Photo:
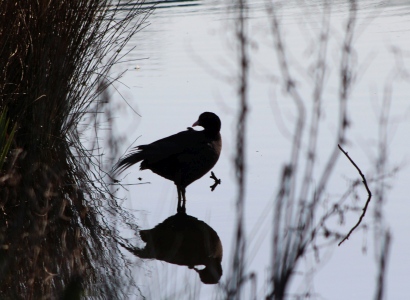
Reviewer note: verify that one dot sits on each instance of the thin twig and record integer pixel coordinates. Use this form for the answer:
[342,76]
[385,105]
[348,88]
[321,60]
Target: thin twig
[368,199]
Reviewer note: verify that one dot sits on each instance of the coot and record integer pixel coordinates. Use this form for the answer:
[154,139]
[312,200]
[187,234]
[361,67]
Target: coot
[183,157]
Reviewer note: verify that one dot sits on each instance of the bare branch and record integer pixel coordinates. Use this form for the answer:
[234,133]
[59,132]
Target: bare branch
[368,199]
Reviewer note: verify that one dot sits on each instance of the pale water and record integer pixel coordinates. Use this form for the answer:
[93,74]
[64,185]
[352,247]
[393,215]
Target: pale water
[187,65]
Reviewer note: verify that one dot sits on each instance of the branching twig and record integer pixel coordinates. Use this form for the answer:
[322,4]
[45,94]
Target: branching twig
[368,199]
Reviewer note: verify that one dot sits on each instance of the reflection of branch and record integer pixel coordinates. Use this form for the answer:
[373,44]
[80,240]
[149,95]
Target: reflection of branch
[382,265]
[236,277]
[368,199]
[217,181]
[125,184]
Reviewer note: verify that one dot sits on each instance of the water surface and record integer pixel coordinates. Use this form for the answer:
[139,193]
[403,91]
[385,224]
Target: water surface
[187,65]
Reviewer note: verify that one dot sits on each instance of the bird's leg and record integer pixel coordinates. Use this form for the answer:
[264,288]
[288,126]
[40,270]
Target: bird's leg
[179,198]
[183,199]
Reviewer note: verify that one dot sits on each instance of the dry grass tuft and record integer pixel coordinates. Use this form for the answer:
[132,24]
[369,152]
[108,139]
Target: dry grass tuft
[57,213]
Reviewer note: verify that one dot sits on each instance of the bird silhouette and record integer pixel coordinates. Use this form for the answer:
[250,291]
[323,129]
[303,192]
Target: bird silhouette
[186,241]
[183,157]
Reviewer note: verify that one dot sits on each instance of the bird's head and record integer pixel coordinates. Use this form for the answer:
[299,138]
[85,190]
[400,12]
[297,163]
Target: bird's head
[209,121]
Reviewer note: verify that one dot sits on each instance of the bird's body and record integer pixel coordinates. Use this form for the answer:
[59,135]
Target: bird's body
[186,241]
[183,157]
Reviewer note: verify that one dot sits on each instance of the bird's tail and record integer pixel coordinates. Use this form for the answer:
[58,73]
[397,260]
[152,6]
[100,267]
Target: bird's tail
[129,160]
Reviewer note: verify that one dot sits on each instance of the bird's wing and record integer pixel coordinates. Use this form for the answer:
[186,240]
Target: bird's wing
[177,144]
[182,142]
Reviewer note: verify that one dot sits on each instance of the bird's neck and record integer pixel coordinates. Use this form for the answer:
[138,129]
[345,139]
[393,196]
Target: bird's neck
[212,134]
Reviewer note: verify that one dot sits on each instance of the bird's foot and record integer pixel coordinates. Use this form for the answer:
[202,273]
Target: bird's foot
[216,183]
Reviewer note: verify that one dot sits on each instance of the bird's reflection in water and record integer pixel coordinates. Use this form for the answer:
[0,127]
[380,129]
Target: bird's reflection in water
[186,241]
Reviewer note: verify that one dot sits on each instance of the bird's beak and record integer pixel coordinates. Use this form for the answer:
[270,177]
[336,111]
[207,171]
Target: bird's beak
[195,124]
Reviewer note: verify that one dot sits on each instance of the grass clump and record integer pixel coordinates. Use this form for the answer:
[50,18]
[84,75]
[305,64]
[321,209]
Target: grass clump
[56,210]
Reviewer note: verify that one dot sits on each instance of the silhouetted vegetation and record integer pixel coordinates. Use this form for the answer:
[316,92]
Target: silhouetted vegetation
[57,213]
